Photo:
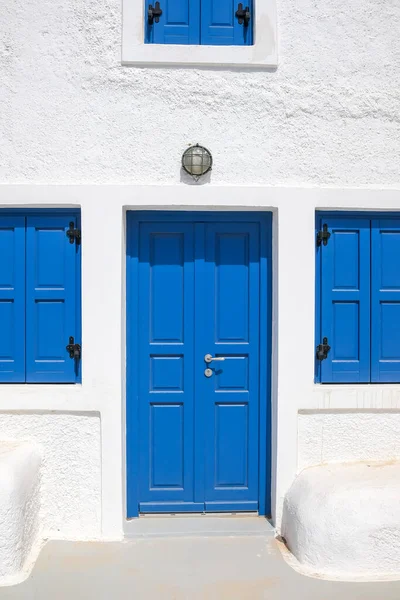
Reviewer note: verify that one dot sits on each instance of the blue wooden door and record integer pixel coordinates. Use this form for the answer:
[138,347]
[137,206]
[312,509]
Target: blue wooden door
[193,441]
[345,300]
[12,299]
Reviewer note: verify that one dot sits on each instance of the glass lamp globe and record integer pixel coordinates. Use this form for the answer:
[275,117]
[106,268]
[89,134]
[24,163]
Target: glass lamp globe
[197,161]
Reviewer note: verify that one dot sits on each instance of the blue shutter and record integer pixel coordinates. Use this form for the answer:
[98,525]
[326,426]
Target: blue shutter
[12,299]
[385,300]
[345,300]
[220,26]
[178,24]
[50,300]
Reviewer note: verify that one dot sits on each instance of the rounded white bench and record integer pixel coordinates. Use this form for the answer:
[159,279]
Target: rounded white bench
[19,505]
[343,520]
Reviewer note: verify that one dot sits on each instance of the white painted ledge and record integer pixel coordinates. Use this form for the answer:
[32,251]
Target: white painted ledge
[19,507]
[262,54]
[342,521]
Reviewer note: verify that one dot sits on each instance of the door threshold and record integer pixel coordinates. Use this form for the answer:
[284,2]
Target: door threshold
[199,525]
[185,515]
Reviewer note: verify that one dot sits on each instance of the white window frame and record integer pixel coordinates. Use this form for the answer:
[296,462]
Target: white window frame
[262,54]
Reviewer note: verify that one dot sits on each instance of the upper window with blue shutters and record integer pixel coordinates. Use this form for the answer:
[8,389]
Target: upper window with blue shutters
[200,32]
[199,22]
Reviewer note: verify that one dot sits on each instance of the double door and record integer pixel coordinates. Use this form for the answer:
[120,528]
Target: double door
[196,347]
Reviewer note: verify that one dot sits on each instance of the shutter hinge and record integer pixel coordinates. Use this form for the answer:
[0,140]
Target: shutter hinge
[323,235]
[323,349]
[73,234]
[75,350]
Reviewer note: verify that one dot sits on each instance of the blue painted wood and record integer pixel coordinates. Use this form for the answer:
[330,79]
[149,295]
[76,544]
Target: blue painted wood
[132,366]
[385,300]
[318,279]
[166,346]
[230,398]
[220,27]
[170,507]
[345,300]
[200,414]
[168,415]
[178,24]
[12,299]
[51,305]
[264,503]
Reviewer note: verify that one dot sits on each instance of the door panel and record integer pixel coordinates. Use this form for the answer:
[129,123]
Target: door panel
[166,357]
[230,398]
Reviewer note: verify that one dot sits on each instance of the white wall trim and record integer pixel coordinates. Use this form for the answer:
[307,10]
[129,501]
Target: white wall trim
[262,54]
[190,197]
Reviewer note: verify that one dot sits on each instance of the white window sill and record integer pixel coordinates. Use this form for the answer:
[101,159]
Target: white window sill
[263,54]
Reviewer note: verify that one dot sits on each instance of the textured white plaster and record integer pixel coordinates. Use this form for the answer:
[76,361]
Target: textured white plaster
[19,505]
[343,521]
[70,472]
[326,437]
[327,115]
[362,396]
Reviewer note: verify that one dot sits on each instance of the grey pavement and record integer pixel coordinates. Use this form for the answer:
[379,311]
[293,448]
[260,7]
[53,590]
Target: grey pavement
[182,560]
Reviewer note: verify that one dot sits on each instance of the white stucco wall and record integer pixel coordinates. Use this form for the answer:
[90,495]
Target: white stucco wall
[71,114]
[70,470]
[328,115]
[348,436]
[20,499]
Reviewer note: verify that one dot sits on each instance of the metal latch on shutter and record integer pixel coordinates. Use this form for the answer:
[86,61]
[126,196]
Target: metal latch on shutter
[323,235]
[243,15]
[75,350]
[154,13]
[323,349]
[73,234]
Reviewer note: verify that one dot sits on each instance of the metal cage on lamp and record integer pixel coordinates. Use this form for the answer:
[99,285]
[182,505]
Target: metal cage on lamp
[197,161]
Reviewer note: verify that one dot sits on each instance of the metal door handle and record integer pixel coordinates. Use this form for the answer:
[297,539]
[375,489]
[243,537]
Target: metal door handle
[208,358]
